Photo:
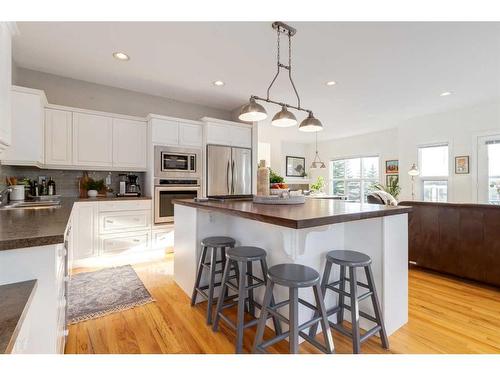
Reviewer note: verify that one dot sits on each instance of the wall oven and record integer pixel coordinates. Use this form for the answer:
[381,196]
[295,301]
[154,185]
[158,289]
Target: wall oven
[166,190]
[177,162]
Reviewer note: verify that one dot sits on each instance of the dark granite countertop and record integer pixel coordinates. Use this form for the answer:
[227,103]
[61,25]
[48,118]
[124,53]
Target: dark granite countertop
[14,303]
[42,226]
[313,213]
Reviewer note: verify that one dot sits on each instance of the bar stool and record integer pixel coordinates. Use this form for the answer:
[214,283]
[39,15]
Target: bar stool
[352,260]
[216,245]
[242,258]
[293,276]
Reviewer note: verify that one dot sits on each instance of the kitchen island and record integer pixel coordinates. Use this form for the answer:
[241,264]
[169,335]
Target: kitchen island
[303,234]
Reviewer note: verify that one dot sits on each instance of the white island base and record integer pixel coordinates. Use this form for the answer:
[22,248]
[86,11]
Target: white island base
[384,239]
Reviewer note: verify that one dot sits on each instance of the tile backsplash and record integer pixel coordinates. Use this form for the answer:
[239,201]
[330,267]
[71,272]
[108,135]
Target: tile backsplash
[66,180]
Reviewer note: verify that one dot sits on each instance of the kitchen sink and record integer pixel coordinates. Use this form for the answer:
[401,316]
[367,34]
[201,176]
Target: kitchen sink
[33,204]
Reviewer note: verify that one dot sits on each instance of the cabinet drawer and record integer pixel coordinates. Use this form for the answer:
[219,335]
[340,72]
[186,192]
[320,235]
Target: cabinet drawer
[124,220]
[163,238]
[139,204]
[125,242]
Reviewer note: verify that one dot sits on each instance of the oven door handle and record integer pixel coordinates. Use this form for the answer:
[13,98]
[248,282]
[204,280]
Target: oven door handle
[227,177]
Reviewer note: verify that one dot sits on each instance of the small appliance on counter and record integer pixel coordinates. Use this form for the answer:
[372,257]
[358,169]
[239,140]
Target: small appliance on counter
[129,186]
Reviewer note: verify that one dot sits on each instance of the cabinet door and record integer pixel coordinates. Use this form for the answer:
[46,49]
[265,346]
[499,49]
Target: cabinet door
[58,137]
[218,134]
[84,230]
[165,132]
[92,140]
[241,137]
[27,130]
[129,144]
[190,135]
[5,85]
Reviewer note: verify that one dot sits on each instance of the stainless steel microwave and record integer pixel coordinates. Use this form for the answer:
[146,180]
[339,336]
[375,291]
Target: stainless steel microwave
[176,162]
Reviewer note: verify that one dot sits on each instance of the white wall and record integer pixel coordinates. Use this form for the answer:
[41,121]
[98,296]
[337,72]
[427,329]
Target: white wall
[81,94]
[459,128]
[383,144]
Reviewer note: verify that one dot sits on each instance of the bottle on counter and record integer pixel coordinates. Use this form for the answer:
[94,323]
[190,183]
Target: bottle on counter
[43,187]
[51,187]
[263,187]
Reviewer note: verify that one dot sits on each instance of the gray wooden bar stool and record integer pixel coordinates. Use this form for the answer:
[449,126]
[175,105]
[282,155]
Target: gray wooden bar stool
[242,258]
[293,276]
[352,260]
[217,245]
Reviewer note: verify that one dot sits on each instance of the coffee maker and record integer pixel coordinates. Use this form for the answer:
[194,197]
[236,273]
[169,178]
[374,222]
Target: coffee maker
[129,186]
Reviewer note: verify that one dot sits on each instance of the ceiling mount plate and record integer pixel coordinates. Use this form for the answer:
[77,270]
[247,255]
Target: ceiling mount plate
[283,27]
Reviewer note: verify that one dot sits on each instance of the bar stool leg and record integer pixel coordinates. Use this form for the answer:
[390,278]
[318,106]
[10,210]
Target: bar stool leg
[251,304]
[223,258]
[210,301]
[259,335]
[324,283]
[376,307]
[354,310]
[340,313]
[240,321]
[224,288]
[276,321]
[294,320]
[199,272]
[325,326]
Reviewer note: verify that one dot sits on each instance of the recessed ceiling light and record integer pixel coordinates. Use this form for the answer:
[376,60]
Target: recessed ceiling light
[331,83]
[218,83]
[121,56]
[446,93]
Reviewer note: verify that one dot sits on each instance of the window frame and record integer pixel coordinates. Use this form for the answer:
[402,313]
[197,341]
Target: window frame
[423,179]
[481,175]
[331,179]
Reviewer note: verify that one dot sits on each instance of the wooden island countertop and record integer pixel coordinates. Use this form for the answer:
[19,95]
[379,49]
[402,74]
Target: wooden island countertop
[313,213]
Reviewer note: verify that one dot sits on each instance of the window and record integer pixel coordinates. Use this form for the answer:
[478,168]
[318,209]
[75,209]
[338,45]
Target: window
[354,177]
[434,172]
[493,149]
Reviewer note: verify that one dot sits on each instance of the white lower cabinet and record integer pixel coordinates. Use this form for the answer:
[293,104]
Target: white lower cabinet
[110,228]
[163,238]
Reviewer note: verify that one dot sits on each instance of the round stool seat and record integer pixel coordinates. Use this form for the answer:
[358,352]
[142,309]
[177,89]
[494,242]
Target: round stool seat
[348,258]
[293,275]
[245,253]
[218,241]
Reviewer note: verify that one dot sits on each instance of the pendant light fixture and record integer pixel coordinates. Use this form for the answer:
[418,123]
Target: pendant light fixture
[317,163]
[284,118]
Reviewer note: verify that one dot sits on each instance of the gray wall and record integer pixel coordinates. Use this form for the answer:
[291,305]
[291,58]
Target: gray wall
[87,95]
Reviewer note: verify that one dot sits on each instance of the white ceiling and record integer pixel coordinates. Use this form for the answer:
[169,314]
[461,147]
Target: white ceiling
[386,72]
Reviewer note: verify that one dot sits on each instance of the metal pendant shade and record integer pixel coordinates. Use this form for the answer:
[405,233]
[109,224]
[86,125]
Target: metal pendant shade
[284,118]
[252,111]
[317,162]
[310,124]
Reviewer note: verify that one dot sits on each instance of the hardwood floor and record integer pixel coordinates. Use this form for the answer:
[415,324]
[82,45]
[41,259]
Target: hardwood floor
[447,315]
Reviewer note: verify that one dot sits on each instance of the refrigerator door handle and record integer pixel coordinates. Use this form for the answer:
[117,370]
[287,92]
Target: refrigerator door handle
[232,177]
[227,177]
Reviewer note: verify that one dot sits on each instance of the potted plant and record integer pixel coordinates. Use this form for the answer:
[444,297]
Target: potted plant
[93,187]
[319,185]
[392,188]
[276,181]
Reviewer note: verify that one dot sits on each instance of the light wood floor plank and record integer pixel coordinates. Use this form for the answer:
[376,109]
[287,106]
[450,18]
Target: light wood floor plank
[446,315]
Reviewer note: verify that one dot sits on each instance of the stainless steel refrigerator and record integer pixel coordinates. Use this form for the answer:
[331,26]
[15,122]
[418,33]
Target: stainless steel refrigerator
[229,171]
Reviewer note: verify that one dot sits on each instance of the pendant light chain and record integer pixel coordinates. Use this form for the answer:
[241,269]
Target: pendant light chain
[256,112]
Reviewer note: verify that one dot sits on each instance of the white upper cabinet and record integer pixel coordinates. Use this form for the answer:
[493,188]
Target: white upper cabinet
[58,137]
[176,133]
[165,132]
[27,128]
[5,85]
[190,135]
[129,144]
[92,140]
[229,135]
